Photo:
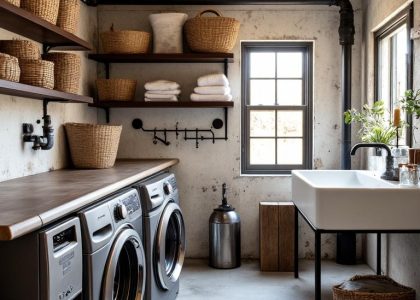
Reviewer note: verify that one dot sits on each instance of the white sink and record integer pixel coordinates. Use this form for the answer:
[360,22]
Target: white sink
[354,200]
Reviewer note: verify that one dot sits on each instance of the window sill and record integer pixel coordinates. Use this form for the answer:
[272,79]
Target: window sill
[264,175]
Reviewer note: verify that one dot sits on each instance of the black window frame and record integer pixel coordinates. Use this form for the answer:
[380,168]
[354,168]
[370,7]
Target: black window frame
[305,47]
[406,16]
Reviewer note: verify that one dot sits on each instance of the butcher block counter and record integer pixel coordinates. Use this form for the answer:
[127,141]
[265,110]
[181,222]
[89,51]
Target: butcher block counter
[28,203]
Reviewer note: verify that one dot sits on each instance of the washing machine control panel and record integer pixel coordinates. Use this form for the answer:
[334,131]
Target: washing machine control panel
[126,205]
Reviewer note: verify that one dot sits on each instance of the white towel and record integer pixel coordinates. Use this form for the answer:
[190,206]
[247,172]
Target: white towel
[161,85]
[213,79]
[212,90]
[197,97]
[174,99]
[168,92]
[151,95]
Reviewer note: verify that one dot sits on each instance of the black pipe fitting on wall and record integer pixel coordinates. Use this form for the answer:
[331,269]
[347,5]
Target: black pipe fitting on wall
[346,29]
[44,142]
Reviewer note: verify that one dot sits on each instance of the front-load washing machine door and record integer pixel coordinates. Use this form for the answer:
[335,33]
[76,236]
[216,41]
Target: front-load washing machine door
[169,246]
[124,274]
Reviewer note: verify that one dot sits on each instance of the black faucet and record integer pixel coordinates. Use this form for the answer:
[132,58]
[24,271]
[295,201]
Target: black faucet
[389,173]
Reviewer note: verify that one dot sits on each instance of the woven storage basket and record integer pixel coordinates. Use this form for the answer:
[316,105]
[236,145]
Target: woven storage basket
[14,2]
[45,9]
[125,41]
[21,49]
[372,287]
[116,89]
[66,71]
[69,15]
[9,68]
[211,34]
[93,146]
[37,73]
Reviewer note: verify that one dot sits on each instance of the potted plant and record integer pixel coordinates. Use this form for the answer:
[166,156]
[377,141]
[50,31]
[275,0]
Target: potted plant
[374,128]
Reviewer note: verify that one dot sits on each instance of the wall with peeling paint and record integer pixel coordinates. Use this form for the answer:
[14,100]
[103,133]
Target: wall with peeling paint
[202,171]
[18,159]
[400,252]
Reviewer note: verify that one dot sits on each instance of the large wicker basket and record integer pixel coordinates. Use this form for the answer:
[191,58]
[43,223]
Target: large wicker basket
[45,9]
[116,89]
[93,146]
[372,287]
[21,49]
[9,68]
[125,41]
[14,2]
[68,15]
[211,34]
[66,71]
[37,73]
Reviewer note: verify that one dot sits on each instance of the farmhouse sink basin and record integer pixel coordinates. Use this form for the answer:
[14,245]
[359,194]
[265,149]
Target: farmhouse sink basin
[354,200]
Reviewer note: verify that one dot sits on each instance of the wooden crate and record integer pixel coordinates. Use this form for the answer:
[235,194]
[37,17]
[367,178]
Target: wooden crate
[277,225]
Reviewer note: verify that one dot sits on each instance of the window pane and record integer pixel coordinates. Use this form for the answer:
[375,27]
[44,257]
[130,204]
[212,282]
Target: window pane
[289,92]
[289,151]
[263,123]
[290,123]
[262,151]
[262,92]
[263,65]
[400,63]
[289,65]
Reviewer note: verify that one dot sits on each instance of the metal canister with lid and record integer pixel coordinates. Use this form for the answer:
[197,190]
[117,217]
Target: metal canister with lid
[225,236]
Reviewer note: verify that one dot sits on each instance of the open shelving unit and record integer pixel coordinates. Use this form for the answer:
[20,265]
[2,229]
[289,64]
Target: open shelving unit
[157,104]
[22,22]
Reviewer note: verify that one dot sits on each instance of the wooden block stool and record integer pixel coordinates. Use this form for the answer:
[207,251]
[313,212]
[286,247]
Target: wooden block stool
[277,225]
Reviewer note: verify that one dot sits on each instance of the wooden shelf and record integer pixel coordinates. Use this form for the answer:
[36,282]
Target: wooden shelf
[180,104]
[33,92]
[24,23]
[164,58]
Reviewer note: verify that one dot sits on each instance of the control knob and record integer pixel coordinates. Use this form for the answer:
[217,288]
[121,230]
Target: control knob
[121,211]
[167,188]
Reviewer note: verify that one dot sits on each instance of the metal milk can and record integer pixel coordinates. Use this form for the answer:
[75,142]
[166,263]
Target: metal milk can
[225,236]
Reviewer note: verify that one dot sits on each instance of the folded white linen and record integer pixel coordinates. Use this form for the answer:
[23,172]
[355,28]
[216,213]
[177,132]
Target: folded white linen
[161,85]
[213,79]
[212,90]
[152,95]
[197,97]
[168,92]
[175,99]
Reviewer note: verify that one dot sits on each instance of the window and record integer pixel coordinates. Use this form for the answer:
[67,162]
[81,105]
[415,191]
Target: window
[393,61]
[276,107]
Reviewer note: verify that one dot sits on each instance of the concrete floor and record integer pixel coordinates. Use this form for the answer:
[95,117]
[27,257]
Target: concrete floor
[198,281]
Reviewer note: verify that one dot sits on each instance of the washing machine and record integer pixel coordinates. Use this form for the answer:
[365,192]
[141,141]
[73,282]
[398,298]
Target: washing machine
[113,253]
[164,236]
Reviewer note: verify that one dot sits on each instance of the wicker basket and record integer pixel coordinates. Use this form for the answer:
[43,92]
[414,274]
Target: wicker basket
[21,49]
[211,34]
[116,89]
[45,9]
[125,41]
[66,71]
[9,68]
[372,287]
[37,73]
[93,146]
[14,2]
[69,15]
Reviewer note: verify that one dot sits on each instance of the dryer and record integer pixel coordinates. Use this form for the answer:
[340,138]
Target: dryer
[113,254]
[164,236]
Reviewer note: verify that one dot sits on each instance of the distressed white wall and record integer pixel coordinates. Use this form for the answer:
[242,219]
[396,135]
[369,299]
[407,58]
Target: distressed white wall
[400,252]
[202,171]
[18,159]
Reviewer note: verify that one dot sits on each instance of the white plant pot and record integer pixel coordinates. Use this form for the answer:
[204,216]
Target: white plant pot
[167,32]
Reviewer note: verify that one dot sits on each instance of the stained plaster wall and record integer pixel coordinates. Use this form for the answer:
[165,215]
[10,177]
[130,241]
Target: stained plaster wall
[202,171]
[400,252]
[18,159]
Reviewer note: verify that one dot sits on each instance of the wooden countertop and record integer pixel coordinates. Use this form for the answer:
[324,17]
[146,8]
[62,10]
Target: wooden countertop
[28,203]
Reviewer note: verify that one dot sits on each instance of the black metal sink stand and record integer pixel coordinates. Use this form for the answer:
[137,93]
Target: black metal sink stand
[318,232]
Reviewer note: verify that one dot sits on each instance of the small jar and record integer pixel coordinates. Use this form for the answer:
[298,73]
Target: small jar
[413,174]
[404,174]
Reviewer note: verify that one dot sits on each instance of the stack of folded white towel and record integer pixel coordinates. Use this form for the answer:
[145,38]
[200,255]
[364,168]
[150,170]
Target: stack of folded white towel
[213,87]
[162,90]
